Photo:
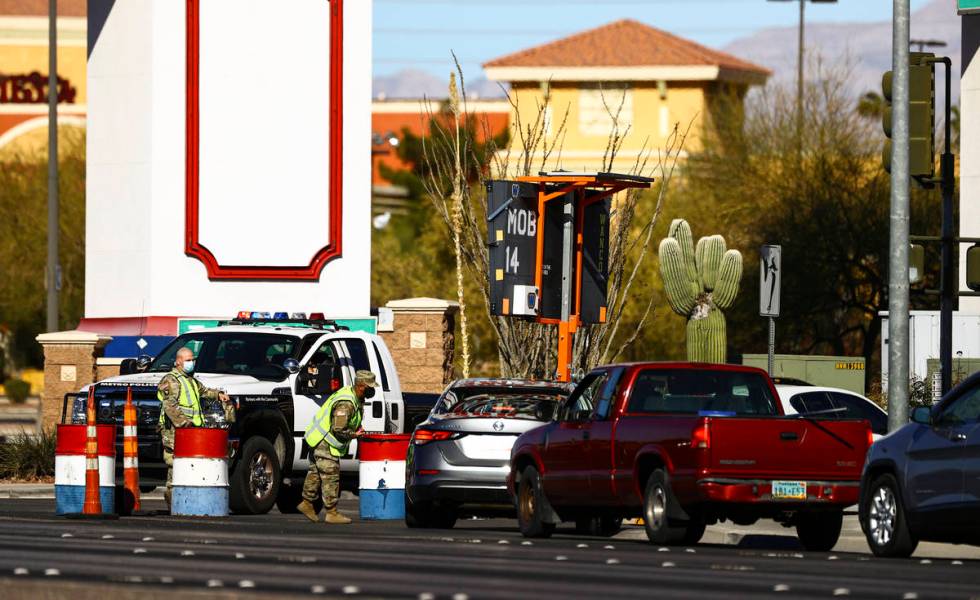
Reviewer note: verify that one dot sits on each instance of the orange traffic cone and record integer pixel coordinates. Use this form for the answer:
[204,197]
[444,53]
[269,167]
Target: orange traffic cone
[93,503]
[131,474]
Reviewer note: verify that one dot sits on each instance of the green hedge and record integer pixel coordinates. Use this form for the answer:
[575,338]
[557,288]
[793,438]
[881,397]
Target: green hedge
[27,456]
[17,390]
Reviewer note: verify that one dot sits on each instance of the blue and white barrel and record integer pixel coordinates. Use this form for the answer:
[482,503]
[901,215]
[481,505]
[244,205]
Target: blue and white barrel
[200,479]
[382,475]
[69,468]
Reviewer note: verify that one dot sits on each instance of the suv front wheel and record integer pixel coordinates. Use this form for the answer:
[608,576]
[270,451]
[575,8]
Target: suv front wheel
[254,484]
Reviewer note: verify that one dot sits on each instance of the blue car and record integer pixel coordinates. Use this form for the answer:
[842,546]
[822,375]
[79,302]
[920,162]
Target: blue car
[922,482]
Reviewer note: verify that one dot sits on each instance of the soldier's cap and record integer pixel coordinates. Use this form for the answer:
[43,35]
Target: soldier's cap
[365,377]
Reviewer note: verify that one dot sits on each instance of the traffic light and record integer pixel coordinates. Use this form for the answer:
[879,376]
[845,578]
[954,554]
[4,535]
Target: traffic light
[922,116]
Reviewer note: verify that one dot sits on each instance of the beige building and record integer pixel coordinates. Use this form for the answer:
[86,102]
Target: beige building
[623,74]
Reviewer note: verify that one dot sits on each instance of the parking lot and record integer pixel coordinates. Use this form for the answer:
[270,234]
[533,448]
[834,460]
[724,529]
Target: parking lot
[152,556]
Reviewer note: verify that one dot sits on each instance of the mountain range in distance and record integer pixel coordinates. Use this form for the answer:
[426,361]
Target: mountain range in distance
[860,51]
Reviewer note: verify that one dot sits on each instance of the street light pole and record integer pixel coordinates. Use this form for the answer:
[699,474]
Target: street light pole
[898,264]
[53,272]
[799,77]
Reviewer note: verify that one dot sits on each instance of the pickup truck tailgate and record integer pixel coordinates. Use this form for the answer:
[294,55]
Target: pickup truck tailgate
[785,448]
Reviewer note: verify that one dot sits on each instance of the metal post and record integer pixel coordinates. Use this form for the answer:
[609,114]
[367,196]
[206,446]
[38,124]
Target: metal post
[948,287]
[565,328]
[53,274]
[799,79]
[772,344]
[898,264]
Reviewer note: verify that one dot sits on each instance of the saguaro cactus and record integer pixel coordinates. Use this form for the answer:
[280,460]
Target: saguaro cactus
[700,281]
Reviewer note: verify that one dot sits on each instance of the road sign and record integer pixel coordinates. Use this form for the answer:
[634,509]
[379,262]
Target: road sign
[968,7]
[512,229]
[770,279]
[595,261]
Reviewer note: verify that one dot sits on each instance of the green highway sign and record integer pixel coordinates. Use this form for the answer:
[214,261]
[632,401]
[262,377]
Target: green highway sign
[967,7]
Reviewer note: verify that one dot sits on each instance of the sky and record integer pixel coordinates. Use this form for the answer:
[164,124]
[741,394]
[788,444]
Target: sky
[419,34]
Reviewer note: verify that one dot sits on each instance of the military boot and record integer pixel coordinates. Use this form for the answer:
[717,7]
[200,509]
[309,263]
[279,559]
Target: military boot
[335,517]
[306,507]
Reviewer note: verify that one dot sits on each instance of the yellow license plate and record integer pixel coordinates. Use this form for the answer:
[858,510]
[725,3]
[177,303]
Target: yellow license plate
[789,490]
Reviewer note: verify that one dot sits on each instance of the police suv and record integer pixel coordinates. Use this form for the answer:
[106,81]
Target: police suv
[278,372]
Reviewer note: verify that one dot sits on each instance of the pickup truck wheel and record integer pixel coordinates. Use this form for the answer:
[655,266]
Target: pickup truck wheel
[658,502]
[819,531]
[255,481]
[694,532]
[530,501]
[427,515]
[883,516]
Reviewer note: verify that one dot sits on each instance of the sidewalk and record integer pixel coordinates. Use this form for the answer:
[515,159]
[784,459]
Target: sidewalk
[769,535]
[43,491]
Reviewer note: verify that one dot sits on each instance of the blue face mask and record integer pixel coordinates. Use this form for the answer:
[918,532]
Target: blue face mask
[188,366]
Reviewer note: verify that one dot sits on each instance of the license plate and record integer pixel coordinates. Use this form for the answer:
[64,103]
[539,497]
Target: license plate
[789,490]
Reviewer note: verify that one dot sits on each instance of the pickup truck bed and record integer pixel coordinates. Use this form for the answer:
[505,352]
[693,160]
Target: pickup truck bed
[683,446]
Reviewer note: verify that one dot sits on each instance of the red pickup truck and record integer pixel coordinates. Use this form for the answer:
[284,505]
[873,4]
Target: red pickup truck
[686,445]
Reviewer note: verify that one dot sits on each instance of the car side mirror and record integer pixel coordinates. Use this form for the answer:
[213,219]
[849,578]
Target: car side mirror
[143,363]
[291,365]
[922,415]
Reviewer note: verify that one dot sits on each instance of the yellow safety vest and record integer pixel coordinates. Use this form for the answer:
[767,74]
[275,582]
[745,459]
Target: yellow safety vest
[319,429]
[189,400]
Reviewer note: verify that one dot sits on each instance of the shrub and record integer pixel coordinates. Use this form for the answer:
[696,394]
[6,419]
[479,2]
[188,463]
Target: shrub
[17,390]
[28,456]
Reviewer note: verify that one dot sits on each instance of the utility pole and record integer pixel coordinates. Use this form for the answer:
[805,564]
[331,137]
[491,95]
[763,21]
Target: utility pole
[799,79]
[53,272]
[898,264]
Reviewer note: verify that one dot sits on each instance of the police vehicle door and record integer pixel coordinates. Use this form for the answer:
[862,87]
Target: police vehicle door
[377,412]
[310,390]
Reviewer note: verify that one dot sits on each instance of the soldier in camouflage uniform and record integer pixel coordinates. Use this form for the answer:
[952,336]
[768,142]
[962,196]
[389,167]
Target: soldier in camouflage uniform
[180,396]
[333,427]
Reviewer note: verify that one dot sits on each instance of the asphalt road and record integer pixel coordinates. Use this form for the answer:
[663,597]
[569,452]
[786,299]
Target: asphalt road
[42,555]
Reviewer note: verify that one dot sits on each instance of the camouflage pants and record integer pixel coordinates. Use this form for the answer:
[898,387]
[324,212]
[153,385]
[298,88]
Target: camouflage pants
[167,439]
[323,477]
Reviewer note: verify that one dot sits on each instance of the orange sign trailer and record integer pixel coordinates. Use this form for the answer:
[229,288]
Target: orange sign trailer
[552,186]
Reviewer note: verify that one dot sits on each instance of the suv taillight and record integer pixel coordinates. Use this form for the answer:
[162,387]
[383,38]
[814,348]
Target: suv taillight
[424,436]
[701,436]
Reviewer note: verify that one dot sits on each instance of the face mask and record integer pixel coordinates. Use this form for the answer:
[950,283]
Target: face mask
[369,392]
[188,366]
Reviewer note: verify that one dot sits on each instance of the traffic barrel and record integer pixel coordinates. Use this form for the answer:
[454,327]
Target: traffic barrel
[71,472]
[382,475]
[131,474]
[200,477]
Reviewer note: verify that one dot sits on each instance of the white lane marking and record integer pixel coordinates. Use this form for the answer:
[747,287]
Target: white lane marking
[668,564]
[427,596]
[148,539]
[351,589]
[527,543]
[690,550]
[797,555]
[139,550]
[663,549]
[581,545]
[461,596]
[212,583]
[246,583]
[318,589]
[239,555]
[609,547]
[133,579]
[108,536]
[863,558]
[66,535]
[925,561]
[842,592]
[831,557]
[52,572]
[187,553]
[780,587]
[560,557]
[503,542]
[21,571]
[166,579]
[477,541]
[957,562]
[910,596]
[612,561]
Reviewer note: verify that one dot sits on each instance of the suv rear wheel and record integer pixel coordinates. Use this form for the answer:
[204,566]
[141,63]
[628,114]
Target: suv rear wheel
[255,482]
[658,503]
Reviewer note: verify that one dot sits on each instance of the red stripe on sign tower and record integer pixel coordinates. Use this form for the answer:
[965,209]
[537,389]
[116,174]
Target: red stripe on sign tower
[131,475]
[93,504]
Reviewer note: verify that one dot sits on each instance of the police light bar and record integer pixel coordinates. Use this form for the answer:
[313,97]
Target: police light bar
[317,316]
[261,315]
[279,316]
[244,314]
[297,315]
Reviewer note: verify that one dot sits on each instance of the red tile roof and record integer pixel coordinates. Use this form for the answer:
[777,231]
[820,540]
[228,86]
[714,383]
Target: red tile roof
[39,8]
[624,43]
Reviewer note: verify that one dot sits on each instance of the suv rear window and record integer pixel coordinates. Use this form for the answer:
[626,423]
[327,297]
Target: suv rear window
[698,391]
[504,406]
[459,394]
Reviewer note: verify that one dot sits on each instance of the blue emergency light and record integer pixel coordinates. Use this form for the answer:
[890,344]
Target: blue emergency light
[280,316]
